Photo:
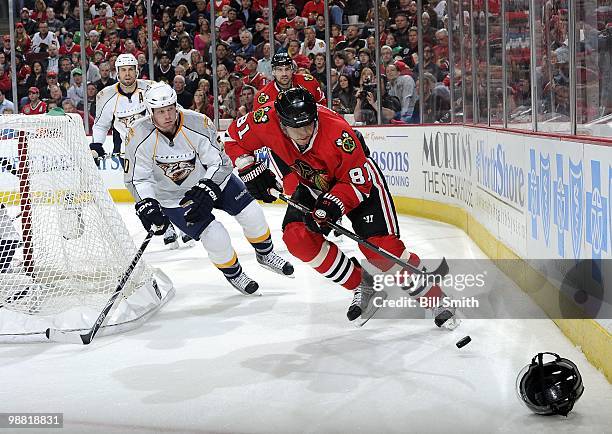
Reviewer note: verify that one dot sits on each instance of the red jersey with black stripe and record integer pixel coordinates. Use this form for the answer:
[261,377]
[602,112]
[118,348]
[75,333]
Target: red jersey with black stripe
[271,90]
[332,162]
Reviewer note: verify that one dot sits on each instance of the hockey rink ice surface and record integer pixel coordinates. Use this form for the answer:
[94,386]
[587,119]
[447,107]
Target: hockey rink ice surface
[213,360]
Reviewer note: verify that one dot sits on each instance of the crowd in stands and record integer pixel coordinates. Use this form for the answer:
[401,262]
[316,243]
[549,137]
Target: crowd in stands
[50,73]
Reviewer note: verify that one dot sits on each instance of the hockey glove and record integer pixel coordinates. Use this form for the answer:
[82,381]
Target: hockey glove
[328,208]
[97,151]
[202,198]
[259,179]
[152,216]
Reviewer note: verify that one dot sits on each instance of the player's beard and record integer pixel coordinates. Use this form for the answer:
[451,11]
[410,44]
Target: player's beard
[124,83]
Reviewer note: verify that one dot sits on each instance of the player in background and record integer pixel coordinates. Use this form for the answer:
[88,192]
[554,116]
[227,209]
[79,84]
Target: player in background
[177,171]
[118,106]
[285,77]
[329,173]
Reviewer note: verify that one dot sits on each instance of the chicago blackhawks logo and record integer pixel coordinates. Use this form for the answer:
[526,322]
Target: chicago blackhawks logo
[308,77]
[260,116]
[263,98]
[346,143]
[317,177]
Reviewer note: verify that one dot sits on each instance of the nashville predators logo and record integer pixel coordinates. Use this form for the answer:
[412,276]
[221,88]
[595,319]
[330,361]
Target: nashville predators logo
[263,98]
[308,77]
[260,116]
[177,171]
[346,143]
[317,177]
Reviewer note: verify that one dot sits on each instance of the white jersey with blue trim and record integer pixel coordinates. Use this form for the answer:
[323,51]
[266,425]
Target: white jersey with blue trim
[164,168]
[119,110]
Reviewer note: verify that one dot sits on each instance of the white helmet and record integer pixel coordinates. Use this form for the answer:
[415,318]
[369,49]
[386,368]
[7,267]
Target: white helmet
[125,60]
[159,95]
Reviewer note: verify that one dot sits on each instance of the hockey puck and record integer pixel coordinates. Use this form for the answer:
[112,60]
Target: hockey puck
[463,342]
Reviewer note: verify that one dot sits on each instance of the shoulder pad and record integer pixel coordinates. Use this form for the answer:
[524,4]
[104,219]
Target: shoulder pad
[140,128]
[263,98]
[107,93]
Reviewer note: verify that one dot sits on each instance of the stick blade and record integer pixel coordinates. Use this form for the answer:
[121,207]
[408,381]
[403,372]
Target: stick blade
[55,335]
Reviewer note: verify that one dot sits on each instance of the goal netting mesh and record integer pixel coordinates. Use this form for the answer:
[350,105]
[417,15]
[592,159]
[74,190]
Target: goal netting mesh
[63,243]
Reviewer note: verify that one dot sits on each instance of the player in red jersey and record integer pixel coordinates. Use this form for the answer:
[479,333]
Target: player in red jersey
[285,78]
[326,169]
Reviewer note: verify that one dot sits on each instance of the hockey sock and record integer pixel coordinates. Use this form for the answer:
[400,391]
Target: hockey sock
[262,247]
[230,269]
[322,255]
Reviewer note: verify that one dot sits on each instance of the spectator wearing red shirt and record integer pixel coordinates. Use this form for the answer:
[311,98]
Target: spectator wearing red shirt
[69,47]
[219,5]
[240,60]
[40,12]
[95,45]
[312,10]
[5,81]
[119,15]
[35,106]
[229,30]
[254,78]
[336,33]
[203,103]
[129,47]
[441,47]
[140,17]
[293,49]
[290,20]
[23,42]
[260,5]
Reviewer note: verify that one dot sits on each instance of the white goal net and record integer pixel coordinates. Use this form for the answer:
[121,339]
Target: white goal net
[63,244]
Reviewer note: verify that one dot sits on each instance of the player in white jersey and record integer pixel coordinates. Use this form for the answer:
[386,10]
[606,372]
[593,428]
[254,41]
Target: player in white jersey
[117,107]
[120,104]
[177,171]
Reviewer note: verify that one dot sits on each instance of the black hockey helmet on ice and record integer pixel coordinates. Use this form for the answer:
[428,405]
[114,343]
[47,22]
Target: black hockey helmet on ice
[296,107]
[280,59]
[549,388]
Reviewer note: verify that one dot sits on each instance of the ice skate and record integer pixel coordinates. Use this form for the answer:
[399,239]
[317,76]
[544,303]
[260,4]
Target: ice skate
[244,284]
[363,300]
[274,262]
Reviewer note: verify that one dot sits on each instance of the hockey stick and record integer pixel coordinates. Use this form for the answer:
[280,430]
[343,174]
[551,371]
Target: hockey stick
[439,272]
[75,338]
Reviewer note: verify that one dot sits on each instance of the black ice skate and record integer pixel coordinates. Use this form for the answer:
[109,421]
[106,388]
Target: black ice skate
[276,263]
[363,300]
[244,284]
